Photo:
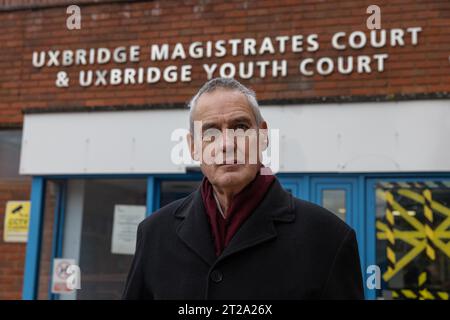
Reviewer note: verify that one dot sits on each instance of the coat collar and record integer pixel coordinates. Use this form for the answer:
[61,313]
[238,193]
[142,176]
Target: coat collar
[195,231]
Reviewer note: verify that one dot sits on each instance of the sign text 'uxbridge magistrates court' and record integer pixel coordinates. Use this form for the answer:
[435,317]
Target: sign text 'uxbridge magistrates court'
[314,64]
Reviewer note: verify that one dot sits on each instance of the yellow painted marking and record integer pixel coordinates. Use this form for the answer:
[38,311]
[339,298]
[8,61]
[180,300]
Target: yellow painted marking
[444,225]
[418,238]
[409,294]
[443,295]
[410,237]
[390,217]
[429,232]
[442,234]
[422,278]
[390,236]
[430,253]
[405,260]
[411,220]
[427,210]
[436,206]
[390,255]
[426,295]
[445,248]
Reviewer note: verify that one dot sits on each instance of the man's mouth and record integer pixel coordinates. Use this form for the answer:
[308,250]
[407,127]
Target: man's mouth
[230,163]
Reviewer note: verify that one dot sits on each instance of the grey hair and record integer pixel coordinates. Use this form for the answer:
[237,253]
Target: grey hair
[225,83]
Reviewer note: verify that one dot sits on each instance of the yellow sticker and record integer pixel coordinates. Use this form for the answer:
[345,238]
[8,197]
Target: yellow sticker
[17,218]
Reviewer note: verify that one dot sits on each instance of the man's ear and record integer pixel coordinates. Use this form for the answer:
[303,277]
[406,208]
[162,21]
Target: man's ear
[190,141]
[264,135]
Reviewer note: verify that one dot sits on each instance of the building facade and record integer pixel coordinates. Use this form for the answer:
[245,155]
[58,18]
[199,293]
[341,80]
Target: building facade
[93,114]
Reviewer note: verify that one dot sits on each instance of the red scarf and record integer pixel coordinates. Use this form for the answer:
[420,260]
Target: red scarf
[241,207]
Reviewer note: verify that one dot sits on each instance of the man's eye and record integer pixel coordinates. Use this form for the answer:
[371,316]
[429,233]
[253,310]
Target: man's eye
[242,126]
[208,133]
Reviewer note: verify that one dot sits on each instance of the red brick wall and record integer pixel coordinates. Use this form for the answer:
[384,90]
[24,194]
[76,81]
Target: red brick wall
[28,4]
[12,255]
[46,245]
[409,70]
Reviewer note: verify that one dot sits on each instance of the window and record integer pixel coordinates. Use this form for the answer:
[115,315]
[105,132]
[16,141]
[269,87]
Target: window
[173,190]
[334,200]
[412,230]
[10,143]
[90,218]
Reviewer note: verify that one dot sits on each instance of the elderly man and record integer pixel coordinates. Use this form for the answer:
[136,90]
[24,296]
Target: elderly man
[240,235]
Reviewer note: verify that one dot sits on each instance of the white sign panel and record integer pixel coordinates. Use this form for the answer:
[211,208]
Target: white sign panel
[126,220]
[60,275]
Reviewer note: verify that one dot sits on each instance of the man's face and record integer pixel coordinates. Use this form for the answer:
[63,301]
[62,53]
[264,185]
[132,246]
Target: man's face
[220,110]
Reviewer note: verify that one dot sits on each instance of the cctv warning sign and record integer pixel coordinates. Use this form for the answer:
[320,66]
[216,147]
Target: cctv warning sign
[17,218]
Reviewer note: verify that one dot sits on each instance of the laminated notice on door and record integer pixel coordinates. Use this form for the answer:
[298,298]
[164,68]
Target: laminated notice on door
[126,221]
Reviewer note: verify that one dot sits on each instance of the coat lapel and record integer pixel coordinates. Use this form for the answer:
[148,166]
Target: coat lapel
[195,230]
[277,205]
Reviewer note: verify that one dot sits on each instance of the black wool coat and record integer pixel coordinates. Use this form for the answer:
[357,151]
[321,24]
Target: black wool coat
[287,249]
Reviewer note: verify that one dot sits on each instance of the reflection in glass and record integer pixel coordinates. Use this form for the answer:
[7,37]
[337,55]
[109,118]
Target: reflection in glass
[334,200]
[174,190]
[10,143]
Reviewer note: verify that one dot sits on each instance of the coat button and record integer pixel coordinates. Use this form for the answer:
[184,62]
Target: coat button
[216,276]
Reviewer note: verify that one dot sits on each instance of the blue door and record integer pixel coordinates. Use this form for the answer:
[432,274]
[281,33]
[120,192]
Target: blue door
[291,185]
[343,196]
[339,195]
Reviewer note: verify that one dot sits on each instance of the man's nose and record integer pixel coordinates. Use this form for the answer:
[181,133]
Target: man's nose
[228,141]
